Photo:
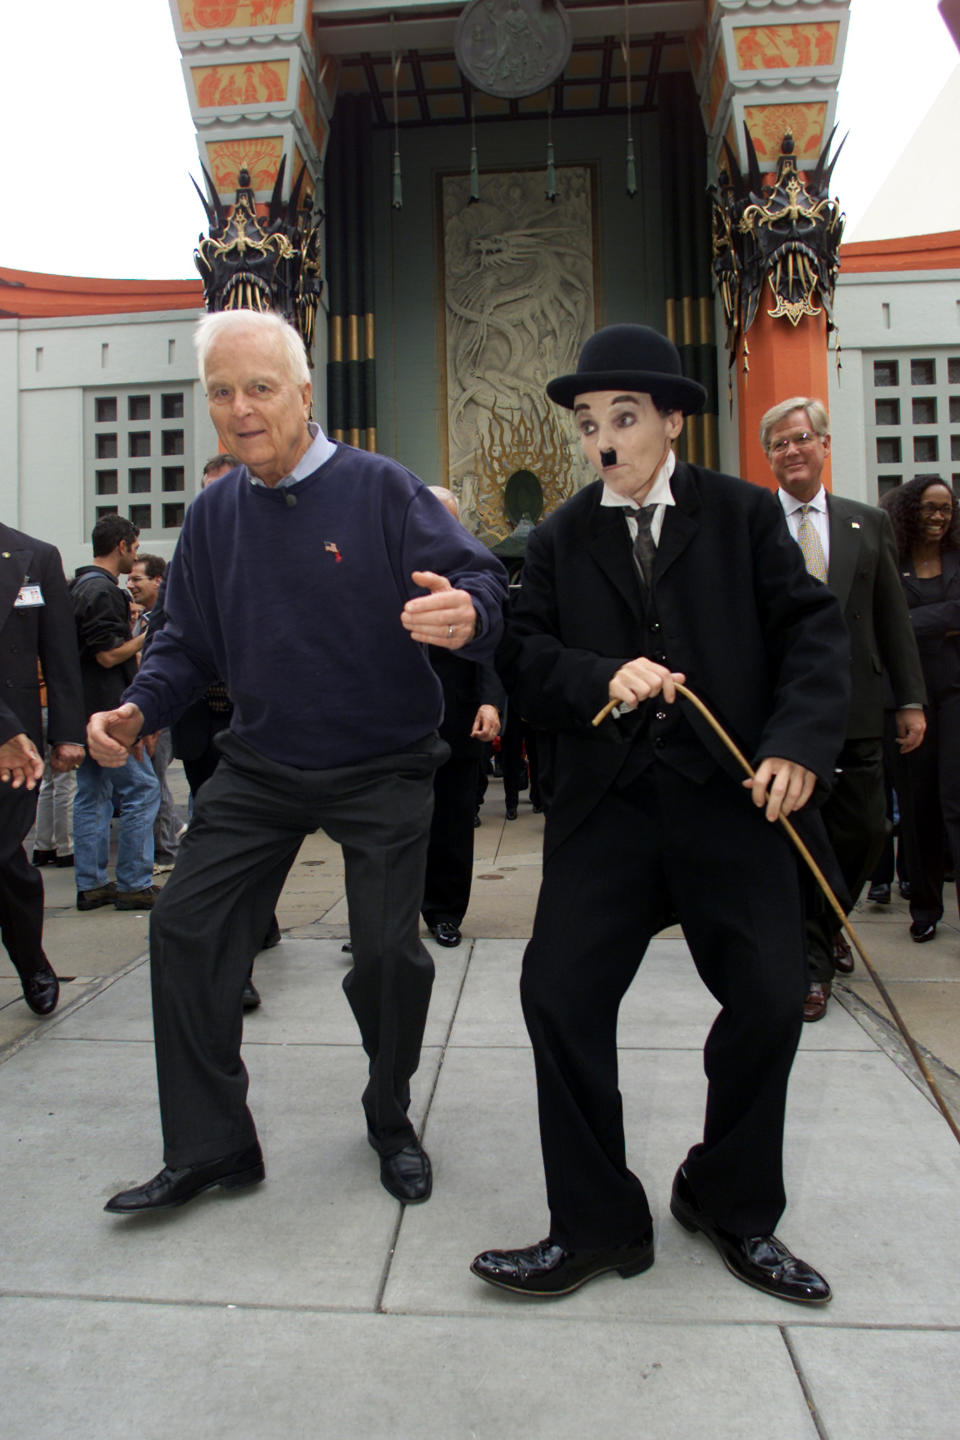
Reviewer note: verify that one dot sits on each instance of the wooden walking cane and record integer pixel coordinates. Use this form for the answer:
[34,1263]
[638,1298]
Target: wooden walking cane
[824,884]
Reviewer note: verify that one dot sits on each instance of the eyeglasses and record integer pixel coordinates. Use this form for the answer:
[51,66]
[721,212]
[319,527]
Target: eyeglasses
[780,447]
[931,510]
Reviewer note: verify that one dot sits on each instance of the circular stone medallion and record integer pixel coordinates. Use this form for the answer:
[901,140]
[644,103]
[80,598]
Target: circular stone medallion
[512,48]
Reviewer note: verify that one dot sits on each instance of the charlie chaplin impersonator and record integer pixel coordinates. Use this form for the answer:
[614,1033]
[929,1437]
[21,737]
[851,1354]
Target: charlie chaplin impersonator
[660,572]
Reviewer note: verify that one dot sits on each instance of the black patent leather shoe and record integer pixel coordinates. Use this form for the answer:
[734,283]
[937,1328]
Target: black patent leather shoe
[921,933]
[407,1174]
[176,1187]
[446,933]
[547,1269]
[879,893]
[41,990]
[760,1260]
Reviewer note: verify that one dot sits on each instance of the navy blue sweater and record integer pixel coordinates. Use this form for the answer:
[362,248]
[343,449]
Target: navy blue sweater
[296,608]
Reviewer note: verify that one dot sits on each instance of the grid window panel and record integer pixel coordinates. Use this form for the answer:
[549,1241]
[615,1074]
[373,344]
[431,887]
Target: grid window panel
[911,420]
[151,426]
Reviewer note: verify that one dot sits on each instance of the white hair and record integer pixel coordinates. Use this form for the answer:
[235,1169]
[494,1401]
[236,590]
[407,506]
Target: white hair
[816,413]
[447,499]
[219,323]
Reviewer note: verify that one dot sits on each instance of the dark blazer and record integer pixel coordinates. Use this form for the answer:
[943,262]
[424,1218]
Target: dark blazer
[466,686]
[760,642]
[931,622]
[864,575]
[28,633]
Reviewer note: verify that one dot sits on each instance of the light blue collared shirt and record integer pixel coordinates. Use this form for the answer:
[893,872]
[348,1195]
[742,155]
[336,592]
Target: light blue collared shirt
[318,454]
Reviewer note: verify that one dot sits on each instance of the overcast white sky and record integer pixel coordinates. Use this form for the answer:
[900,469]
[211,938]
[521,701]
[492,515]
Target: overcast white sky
[99,143]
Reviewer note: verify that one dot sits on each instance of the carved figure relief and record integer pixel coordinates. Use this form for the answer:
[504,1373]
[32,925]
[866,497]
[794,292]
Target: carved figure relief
[518,277]
[512,48]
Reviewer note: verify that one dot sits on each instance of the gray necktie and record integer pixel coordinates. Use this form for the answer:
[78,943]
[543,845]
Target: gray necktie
[644,546]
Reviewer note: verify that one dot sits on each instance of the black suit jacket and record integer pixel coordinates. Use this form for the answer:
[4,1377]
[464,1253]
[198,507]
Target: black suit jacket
[28,633]
[760,642]
[466,686]
[864,576]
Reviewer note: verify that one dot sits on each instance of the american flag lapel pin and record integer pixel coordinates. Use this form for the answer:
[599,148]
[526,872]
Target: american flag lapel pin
[331,547]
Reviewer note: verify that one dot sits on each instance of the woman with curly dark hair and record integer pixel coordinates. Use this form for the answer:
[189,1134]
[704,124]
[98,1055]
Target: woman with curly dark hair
[927,528]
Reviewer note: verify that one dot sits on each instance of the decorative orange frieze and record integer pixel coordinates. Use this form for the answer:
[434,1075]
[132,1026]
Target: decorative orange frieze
[718,81]
[233,14]
[768,124]
[219,85]
[307,106]
[696,48]
[260,155]
[785,47]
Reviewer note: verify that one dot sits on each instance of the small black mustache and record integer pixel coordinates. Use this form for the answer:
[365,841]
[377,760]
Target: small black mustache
[608,457]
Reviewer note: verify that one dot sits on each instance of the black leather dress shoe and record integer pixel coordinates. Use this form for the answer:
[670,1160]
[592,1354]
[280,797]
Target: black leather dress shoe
[65,862]
[547,1269]
[41,990]
[760,1260]
[921,933]
[879,894]
[273,936]
[407,1174]
[511,812]
[251,997]
[43,857]
[843,961]
[176,1187]
[445,933]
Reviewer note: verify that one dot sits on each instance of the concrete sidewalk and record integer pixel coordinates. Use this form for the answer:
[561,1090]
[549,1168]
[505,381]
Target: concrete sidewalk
[314,1305]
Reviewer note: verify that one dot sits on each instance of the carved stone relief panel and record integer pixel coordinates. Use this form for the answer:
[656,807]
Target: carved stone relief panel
[518,275]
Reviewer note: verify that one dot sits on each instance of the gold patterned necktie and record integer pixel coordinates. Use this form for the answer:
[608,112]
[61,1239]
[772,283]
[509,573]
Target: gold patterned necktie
[809,542]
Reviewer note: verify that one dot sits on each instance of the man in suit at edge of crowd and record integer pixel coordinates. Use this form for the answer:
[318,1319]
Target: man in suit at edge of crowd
[850,548]
[663,572]
[331,548]
[472,706]
[36,623]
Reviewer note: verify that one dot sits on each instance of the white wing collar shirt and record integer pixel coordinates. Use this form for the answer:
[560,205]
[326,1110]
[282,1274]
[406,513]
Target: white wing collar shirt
[659,496]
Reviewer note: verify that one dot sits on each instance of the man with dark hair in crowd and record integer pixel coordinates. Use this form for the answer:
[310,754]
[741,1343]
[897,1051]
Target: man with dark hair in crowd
[144,584]
[108,663]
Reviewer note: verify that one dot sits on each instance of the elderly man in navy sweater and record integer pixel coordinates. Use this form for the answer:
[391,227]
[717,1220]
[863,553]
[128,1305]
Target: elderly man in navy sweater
[357,568]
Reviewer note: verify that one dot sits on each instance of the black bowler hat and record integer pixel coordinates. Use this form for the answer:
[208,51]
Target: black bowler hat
[630,357]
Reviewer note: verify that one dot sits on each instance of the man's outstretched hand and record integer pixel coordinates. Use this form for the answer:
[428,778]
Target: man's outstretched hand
[112,735]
